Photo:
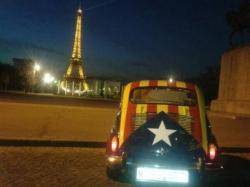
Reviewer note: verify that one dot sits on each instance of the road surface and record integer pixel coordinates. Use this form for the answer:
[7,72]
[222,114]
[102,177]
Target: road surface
[47,166]
[71,166]
[81,166]
[57,100]
[37,117]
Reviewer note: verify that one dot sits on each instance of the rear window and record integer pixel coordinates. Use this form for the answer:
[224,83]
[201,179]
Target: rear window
[163,95]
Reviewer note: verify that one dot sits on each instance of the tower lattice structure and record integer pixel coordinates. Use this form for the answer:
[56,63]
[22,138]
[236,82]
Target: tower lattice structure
[75,78]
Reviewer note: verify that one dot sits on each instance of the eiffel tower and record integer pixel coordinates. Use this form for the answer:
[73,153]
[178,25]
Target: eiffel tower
[75,78]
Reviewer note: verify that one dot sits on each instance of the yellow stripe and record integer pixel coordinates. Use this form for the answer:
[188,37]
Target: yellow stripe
[183,110]
[144,83]
[161,108]
[141,108]
[203,118]
[181,84]
[124,112]
[162,83]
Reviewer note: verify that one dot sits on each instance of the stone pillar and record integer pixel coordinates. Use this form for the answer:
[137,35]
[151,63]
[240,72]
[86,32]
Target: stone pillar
[234,88]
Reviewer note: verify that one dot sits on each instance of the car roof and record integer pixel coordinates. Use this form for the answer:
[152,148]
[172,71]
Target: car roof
[149,83]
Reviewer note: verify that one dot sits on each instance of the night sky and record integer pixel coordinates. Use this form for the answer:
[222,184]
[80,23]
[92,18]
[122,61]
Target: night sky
[122,38]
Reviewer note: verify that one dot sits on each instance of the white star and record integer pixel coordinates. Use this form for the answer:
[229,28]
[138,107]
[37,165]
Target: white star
[162,134]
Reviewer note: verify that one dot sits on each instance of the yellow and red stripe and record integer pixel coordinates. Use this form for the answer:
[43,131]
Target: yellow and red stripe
[129,109]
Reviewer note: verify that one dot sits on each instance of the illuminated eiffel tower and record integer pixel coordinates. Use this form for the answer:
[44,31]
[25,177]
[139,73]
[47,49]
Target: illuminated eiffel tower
[75,78]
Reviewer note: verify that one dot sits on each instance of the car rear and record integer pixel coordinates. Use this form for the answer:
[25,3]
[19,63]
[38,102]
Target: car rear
[150,105]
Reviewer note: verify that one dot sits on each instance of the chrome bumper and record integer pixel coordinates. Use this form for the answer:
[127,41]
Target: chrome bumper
[213,166]
[114,161]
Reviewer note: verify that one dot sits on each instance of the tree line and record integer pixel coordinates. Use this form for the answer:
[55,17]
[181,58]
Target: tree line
[13,78]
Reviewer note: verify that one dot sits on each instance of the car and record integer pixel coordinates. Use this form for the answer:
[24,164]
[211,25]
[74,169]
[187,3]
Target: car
[162,134]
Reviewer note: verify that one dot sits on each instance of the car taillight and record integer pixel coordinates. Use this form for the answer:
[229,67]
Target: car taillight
[114,143]
[212,152]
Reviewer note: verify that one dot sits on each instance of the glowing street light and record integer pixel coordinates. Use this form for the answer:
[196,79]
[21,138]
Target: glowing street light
[48,79]
[37,67]
[171,79]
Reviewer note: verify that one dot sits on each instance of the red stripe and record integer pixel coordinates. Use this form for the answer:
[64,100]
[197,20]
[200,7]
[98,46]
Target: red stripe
[173,109]
[172,84]
[129,119]
[151,108]
[153,83]
[190,86]
[196,127]
[194,112]
[135,84]
[131,110]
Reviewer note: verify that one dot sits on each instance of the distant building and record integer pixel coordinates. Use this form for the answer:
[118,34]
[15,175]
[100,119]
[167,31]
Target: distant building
[104,87]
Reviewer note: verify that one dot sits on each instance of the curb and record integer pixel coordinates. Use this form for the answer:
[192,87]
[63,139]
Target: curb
[45,143]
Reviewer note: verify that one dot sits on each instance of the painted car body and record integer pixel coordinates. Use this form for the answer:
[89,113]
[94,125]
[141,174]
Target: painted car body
[132,145]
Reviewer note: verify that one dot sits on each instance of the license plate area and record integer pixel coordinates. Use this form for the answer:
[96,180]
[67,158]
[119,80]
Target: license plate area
[147,174]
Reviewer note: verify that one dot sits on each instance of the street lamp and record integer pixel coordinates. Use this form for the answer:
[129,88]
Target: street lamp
[48,78]
[171,79]
[37,67]
[35,76]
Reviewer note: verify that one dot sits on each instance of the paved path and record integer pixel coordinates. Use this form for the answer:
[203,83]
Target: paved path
[67,166]
[42,166]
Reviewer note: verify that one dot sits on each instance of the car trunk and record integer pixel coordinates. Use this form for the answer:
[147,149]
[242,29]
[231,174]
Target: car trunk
[183,151]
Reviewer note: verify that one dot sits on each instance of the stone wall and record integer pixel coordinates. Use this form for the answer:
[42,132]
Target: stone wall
[234,89]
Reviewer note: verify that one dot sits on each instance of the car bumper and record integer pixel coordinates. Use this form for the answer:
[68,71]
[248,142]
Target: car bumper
[129,168]
[213,170]
[114,162]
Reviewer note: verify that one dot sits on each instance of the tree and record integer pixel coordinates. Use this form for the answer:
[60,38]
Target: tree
[25,70]
[208,81]
[5,79]
[9,77]
[5,75]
